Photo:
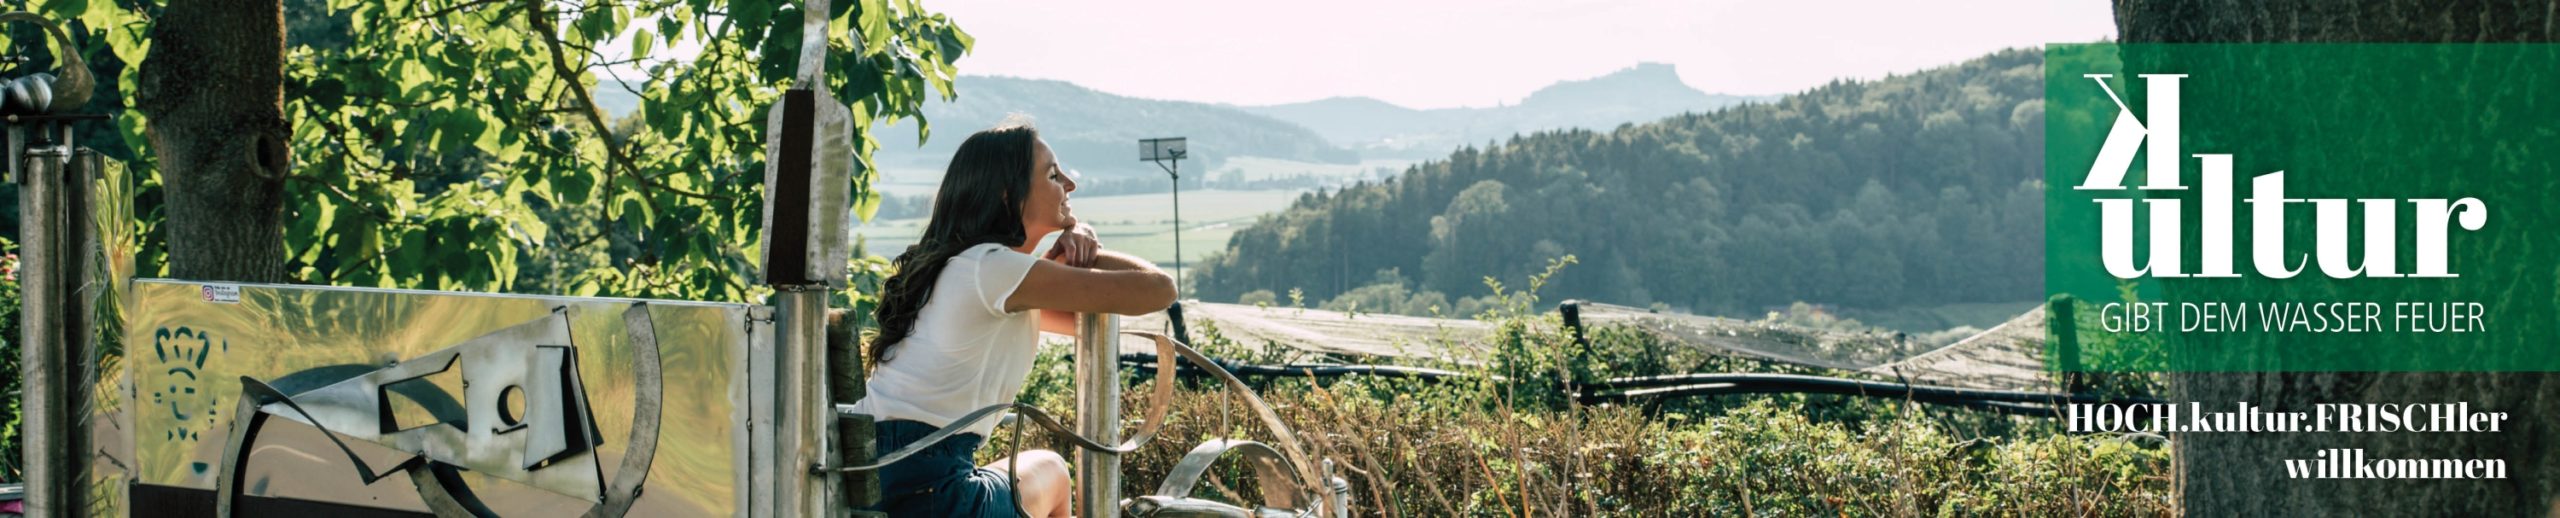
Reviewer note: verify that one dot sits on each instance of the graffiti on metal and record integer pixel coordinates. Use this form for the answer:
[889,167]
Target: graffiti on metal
[179,356]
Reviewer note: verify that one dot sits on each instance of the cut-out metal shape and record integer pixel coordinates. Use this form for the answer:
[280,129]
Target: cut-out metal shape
[549,444]
[541,451]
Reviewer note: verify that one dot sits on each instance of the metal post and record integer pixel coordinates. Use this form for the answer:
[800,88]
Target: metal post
[807,155]
[47,250]
[79,362]
[1167,153]
[854,441]
[1176,171]
[806,414]
[2065,326]
[1098,413]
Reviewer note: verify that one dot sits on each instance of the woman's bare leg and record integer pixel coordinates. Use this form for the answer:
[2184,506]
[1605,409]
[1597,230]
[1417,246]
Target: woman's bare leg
[1044,483]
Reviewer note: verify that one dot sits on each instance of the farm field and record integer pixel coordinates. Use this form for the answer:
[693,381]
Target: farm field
[910,180]
[1141,224]
[1980,315]
[1261,168]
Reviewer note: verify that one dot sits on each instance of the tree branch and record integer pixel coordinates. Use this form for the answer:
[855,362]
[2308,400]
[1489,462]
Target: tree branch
[614,155]
[396,170]
[458,7]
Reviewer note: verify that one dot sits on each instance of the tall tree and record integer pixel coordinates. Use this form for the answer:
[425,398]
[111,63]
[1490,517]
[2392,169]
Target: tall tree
[214,90]
[2225,474]
[449,144]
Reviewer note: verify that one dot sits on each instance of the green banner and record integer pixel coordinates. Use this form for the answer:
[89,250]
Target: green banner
[2302,207]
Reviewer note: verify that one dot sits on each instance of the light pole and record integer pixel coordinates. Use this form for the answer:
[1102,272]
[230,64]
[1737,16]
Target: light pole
[1168,153]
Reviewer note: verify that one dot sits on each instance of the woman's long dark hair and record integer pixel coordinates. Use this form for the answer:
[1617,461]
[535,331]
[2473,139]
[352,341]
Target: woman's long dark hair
[980,202]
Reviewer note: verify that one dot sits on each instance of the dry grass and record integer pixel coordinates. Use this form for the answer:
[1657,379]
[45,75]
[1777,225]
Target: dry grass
[1516,449]
[1413,449]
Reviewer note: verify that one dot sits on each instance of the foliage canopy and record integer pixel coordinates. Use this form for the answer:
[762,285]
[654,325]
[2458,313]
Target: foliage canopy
[455,144]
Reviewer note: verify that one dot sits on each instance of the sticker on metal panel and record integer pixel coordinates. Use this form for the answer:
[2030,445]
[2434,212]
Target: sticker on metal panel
[222,294]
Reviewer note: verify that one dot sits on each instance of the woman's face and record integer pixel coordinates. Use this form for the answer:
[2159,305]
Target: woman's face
[1047,211]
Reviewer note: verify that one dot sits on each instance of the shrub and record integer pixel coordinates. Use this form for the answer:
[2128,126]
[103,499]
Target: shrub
[1513,448]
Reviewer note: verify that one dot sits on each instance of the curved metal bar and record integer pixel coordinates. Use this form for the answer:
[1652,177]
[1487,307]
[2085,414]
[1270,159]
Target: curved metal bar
[1146,429]
[1186,473]
[963,423]
[1712,384]
[1173,497]
[446,494]
[648,391]
[1305,470]
[235,455]
[71,91]
[1717,384]
[1301,470]
[255,394]
[1246,369]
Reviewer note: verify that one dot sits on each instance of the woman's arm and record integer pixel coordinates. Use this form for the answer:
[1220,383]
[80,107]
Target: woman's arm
[1120,262]
[1058,322]
[1064,322]
[1118,283]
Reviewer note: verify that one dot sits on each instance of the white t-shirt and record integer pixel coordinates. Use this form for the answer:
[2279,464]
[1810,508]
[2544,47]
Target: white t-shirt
[966,352]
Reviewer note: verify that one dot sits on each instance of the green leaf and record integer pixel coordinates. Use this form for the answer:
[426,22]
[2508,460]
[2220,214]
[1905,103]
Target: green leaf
[328,92]
[462,106]
[671,26]
[576,185]
[641,40]
[781,48]
[866,204]
[534,229]
[59,9]
[510,147]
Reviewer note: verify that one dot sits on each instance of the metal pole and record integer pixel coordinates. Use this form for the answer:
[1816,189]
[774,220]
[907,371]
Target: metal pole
[2066,341]
[79,362]
[854,441]
[1097,413]
[805,419]
[806,414]
[46,250]
[1177,229]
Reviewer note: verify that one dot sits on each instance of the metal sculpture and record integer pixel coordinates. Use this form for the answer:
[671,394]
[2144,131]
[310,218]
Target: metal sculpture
[43,93]
[548,444]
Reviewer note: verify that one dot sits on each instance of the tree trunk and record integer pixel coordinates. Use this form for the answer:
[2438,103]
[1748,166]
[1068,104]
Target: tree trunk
[2231,474]
[213,87]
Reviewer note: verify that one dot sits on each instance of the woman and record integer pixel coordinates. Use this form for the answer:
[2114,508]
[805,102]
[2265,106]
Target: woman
[958,327]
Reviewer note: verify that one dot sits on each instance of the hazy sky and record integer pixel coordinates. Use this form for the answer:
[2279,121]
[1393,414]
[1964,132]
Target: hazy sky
[1446,53]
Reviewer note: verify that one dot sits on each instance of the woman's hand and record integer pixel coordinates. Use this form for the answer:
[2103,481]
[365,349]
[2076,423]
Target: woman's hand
[1076,247]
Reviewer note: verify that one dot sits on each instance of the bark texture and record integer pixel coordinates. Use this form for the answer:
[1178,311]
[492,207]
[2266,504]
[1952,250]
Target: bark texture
[2226,474]
[213,88]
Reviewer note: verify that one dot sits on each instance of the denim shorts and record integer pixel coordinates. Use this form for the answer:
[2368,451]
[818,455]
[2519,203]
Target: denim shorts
[942,480]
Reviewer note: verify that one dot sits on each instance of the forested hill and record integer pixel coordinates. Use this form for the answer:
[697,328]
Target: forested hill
[1920,189]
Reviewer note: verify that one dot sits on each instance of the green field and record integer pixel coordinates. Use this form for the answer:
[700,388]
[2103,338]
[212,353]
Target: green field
[1260,168]
[1140,224]
[1931,318]
[902,181]
[914,181]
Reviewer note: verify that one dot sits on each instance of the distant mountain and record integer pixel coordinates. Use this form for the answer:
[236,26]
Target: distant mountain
[1094,132]
[1354,121]
[1640,94]
[1097,132]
